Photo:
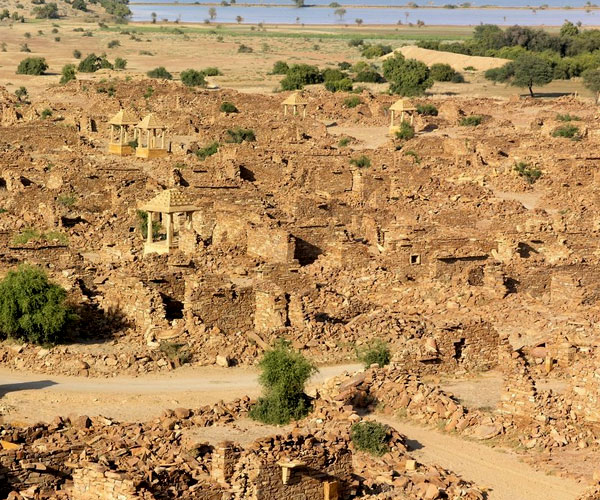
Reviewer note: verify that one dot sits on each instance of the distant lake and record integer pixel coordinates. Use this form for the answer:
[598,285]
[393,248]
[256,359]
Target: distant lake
[285,13]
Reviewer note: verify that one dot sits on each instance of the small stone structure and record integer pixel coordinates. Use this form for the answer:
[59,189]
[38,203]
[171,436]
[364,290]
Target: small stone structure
[120,132]
[148,132]
[402,106]
[294,101]
[167,204]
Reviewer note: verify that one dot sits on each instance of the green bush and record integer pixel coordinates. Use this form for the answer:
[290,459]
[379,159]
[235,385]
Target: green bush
[442,72]
[21,93]
[406,131]
[343,85]
[32,308]
[67,200]
[280,68]
[373,51]
[344,65]
[356,42]
[67,73]
[427,110]
[299,75]
[142,218]
[212,71]
[361,161]
[371,437]
[178,353]
[120,63]
[32,66]
[160,73]
[376,351]
[567,118]
[471,121]
[344,141]
[93,63]
[191,78]
[352,101]
[238,135]
[407,77]
[46,113]
[244,49]
[284,373]
[79,5]
[77,54]
[530,174]
[207,151]
[228,107]
[48,11]
[113,43]
[569,131]
[369,75]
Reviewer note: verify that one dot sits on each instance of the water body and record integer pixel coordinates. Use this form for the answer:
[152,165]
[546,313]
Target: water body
[286,14]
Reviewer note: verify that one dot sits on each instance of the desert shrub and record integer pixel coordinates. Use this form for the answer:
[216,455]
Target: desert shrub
[67,73]
[142,218]
[284,373]
[406,131]
[371,437]
[228,107]
[569,131]
[113,43]
[356,42]
[471,121]
[530,174]
[24,48]
[238,135]
[178,353]
[372,51]
[407,77]
[376,351]
[333,74]
[192,78]
[32,66]
[427,109]
[120,63]
[567,118]
[352,101]
[361,161]
[21,93]
[280,68]
[48,11]
[299,75]
[207,151]
[470,68]
[343,85]
[149,93]
[79,5]
[442,72]
[212,71]
[160,73]
[344,141]
[32,308]
[414,154]
[344,65]
[57,39]
[244,49]
[368,75]
[93,63]
[46,113]
[67,200]
[458,78]
[77,54]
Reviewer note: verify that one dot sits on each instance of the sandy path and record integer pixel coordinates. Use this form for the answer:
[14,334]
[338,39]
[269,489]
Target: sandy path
[500,471]
[39,397]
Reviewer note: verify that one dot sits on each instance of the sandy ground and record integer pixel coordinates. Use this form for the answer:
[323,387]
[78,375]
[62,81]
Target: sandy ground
[505,476]
[458,61]
[32,398]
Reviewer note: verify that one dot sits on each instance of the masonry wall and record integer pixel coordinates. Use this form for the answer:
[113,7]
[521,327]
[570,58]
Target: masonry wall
[95,482]
[271,244]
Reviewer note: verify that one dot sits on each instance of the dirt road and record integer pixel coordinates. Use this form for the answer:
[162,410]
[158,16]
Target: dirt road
[498,470]
[35,397]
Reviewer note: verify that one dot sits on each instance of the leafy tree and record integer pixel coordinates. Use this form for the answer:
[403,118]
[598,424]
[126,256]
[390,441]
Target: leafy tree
[358,21]
[192,78]
[342,85]
[591,80]
[340,12]
[299,75]
[153,16]
[371,437]
[569,29]
[502,74]
[212,12]
[376,351]
[67,73]
[283,377]
[79,5]
[373,51]
[442,72]
[368,75]
[238,19]
[407,77]
[531,70]
[32,66]
[160,73]
[32,308]
[489,36]
[21,93]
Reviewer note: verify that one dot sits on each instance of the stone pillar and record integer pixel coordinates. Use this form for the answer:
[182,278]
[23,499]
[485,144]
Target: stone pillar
[149,235]
[285,110]
[169,230]
[392,118]
[223,462]
[304,112]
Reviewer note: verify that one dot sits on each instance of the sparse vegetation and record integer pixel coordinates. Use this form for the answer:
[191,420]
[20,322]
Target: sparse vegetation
[192,78]
[569,131]
[530,174]
[228,107]
[371,437]
[67,73]
[567,118]
[177,353]
[284,373]
[46,113]
[120,63]
[471,121]
[373,352]
[160,73]
[93,63]
[352,101]
[361,161]
[207,151]
[405,132]
[142,218]
[344,141]
[238,135]
[427,110]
